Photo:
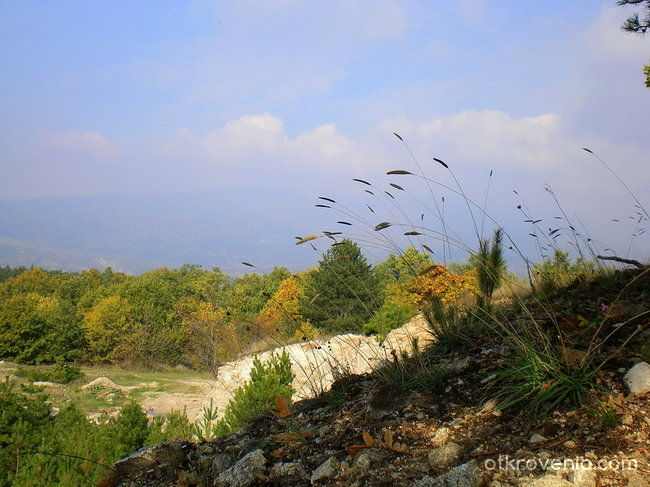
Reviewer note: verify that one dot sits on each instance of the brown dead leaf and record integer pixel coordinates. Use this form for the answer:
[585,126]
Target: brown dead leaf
[398,447]
[277,453]
[388,439]
[291,436]
[547,385]
[368,439]
[181,478]
[618,403]
[282,407]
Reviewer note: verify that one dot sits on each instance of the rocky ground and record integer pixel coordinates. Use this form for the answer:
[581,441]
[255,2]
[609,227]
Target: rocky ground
[367,432]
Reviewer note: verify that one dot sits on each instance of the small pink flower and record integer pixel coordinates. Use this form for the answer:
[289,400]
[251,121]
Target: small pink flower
[604,307]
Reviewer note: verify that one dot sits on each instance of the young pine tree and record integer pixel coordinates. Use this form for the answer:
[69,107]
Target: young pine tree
[342,294]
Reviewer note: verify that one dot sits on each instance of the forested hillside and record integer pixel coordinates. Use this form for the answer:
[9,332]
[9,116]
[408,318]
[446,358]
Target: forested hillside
[199,318]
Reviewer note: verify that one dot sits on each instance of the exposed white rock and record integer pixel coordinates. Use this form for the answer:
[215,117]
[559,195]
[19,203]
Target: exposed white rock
[441,437]
[465,475]
[583,477]
[637,379]
[329,468]
[536,438]
[316,364]
[244,472]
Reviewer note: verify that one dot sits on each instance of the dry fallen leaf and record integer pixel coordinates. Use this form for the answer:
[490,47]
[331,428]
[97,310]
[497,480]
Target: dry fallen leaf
[547,385]
[368,439]
[277,453]
[291,436]
[398,447]
[282,406]
[388,439]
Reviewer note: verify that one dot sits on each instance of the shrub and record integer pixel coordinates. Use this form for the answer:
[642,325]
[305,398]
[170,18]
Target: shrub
[390,316]
[61,373]
[130,428]
[257,396]
[558,271]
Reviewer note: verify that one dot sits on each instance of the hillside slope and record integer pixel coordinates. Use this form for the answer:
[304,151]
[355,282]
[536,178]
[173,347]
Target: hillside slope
[387,429]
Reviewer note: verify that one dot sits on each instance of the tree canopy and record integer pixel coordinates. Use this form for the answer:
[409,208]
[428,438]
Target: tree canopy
[343,292]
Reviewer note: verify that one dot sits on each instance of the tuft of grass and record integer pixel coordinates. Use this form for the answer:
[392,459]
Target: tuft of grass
[540,381]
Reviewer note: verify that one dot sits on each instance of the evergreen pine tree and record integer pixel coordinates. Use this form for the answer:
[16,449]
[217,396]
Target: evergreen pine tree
[342,294]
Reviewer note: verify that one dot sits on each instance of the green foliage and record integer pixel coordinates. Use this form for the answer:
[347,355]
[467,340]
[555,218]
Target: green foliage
[251,292]
[417,373]
[607,415]
[342,293]
[151,320]
[35,328]
[638,25]
[7,272]
[454,327]
[257,396]
[61,373]
[557,272]
[203,427]
[65,449]
[396,269]
[130,428]
[540,380]
[175,427]
[387,318]
[490,267]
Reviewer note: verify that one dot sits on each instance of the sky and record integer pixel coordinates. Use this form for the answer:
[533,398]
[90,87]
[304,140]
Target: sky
[170,97]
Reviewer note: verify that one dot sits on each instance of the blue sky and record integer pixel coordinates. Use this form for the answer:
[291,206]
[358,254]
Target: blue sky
[172,97]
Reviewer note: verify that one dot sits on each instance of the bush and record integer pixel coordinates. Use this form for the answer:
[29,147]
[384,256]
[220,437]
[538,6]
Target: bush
[557,272]
[131,428]
[390,316]
[61,373]
[257,396]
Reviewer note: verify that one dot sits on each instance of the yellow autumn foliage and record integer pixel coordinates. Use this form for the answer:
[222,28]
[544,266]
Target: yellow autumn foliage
[437,282]
[283,308]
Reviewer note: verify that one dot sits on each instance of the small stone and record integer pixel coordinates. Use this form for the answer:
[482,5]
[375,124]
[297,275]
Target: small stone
[536,439]
[244,472]
[627,419]
[637,379]
[366,458]
[445,456]
[441,437]
[489,407]
[461,365]
[582,477]
[329,468]
[550,480]
[221,462]
[570,444]
[465,475]
[288,472]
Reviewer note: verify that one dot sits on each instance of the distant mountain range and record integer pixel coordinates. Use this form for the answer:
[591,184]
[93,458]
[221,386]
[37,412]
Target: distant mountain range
[136,233]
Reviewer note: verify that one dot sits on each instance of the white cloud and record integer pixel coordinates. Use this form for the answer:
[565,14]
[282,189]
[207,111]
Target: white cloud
[253,139]
[489,137]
